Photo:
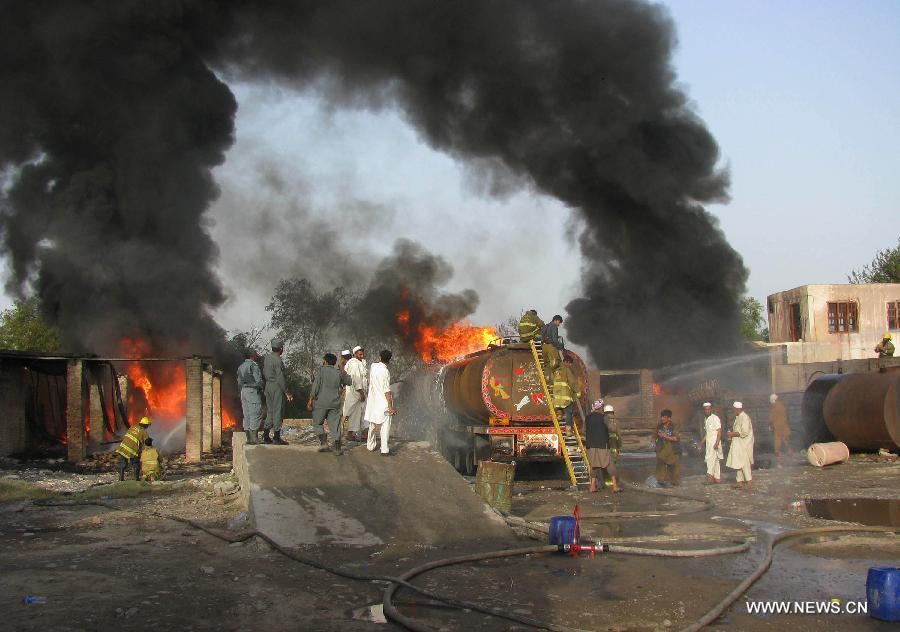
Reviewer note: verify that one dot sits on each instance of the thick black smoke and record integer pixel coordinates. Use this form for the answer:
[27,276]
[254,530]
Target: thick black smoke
[114,120]
[405,294]
[116,104]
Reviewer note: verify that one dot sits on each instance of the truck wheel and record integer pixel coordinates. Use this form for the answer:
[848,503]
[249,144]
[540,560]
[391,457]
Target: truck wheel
[458,461]
[469,459]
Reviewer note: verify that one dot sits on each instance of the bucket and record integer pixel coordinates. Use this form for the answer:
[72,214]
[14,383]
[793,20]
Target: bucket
[563,530]
[883,593]
[821,454]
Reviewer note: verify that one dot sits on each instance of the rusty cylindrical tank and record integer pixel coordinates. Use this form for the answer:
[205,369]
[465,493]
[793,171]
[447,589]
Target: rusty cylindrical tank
[502,382]
[863,410]
[814,428]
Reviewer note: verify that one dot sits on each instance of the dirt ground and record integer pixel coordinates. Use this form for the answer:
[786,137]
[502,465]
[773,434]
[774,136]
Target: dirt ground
[124,568]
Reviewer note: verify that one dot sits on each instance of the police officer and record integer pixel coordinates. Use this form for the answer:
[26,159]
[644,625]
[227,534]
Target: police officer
[276,392]
[325,402]
[250,383]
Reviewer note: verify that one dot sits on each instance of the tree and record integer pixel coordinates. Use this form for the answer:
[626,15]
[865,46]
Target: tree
[245,341]
[752,319]
[510,327]
[884,268]
[23,329]
[304,318]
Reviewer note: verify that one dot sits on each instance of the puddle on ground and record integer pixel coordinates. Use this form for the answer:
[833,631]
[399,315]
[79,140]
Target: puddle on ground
[372,614]
[868,511]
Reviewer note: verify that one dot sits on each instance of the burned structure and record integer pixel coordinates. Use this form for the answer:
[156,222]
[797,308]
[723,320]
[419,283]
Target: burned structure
[72,406]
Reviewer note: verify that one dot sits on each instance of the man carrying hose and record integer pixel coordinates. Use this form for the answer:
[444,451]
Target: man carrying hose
[129,450]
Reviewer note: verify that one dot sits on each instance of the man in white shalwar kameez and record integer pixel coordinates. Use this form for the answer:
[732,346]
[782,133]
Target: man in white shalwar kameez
[740,455]
[355,394]
[380,404]
[712,438]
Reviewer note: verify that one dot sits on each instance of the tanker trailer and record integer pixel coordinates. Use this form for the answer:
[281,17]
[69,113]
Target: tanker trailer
[497,409]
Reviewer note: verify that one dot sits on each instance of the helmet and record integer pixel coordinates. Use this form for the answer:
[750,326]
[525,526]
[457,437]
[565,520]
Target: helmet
[145,421]
[609,408]
[887,335]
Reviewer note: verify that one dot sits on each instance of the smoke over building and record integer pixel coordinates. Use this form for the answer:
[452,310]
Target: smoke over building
[114,115]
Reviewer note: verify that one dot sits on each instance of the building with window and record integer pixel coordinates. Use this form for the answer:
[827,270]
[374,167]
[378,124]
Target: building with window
[823,323]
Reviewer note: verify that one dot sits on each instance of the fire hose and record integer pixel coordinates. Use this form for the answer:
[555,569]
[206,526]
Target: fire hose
[403,581]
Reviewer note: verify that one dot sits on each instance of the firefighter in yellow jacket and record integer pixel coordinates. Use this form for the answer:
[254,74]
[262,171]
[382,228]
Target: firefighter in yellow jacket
[130,448]
[565,389]
[530,326]
[151,464]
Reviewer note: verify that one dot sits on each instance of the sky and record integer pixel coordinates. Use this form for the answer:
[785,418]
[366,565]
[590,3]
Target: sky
[803,98]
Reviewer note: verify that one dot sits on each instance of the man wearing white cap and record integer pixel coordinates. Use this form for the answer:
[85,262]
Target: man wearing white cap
[355,394]
[712,438]
[344,359]
[740,455]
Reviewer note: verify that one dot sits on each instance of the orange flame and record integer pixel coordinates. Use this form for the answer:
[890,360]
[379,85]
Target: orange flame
[443,345]
[167,398]
[227,420]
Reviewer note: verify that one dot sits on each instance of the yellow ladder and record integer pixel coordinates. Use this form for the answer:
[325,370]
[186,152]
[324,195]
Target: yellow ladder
[578,465]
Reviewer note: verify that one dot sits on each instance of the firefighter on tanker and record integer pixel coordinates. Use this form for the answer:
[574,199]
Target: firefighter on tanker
[129,450]
[565,389]
[530,326]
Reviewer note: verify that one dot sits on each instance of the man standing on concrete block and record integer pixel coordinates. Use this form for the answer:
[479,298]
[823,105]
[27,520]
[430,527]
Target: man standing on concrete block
[355,394]
[740,454]
[276,391]
[250,383]
[325,402]
[380,403]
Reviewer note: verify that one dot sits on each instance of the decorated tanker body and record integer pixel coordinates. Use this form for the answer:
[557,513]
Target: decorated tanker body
[498,409]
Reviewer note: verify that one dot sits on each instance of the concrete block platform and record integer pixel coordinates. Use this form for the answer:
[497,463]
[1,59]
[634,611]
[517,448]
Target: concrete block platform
[392,506]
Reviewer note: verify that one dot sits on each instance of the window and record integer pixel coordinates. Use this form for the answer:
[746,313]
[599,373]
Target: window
[842,318]
[893,315]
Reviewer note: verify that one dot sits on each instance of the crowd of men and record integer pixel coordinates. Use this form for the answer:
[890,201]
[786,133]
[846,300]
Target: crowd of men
[347,393]
[712,436]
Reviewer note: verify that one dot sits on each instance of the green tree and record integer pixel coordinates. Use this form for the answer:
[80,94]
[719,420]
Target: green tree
[752,319]
[305,318]
[23,329]
[884,268]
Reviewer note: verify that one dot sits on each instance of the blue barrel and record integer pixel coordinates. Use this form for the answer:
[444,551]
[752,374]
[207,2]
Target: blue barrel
[563,530]
[882,593]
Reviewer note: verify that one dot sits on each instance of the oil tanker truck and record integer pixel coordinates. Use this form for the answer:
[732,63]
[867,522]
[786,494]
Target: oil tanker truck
[495,407]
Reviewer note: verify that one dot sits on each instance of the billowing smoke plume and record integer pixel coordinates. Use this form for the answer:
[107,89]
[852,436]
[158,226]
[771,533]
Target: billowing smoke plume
[113,121]
[117,109]
[405,294]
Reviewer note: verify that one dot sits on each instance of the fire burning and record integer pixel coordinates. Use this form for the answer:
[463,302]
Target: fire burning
[157,390]
[435,344]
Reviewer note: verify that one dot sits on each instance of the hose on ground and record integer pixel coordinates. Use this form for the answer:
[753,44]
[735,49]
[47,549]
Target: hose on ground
[341,572]
[716,611]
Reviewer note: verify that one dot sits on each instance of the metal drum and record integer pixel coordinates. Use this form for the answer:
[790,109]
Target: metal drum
[863,410]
